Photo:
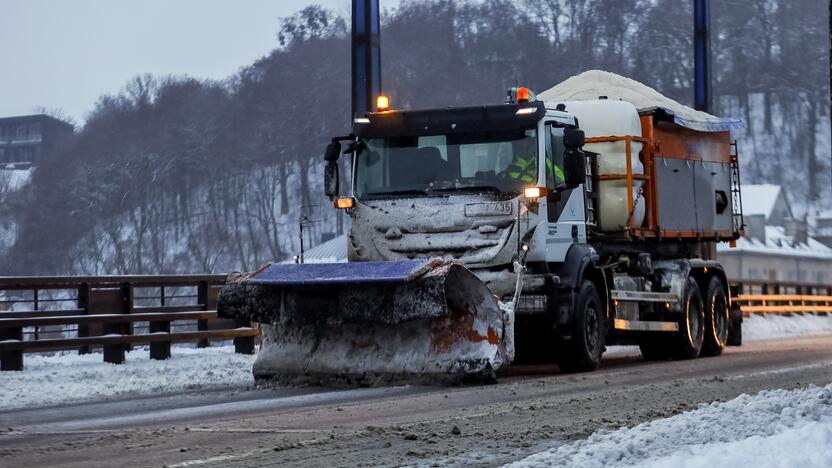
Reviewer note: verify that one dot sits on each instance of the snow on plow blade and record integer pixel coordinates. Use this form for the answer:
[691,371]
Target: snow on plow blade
[369,323]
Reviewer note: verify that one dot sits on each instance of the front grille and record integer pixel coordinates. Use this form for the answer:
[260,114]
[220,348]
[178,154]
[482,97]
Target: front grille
[532,304]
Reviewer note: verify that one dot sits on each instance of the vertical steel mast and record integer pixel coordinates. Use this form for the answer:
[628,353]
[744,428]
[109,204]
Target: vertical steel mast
[702,55]
[366,55]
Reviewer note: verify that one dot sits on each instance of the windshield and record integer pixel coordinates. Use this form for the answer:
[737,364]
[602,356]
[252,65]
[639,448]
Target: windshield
[497,161]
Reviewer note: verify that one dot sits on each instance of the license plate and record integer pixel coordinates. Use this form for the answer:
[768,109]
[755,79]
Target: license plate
[489,209]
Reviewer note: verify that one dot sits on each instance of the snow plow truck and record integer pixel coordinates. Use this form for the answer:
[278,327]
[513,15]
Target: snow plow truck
[538,230]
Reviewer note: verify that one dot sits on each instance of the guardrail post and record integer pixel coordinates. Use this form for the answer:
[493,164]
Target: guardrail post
[202,298]
[159,350]
[11,360]
[114,353]
[119,301]
[244,344]
[36,304]
[84,304]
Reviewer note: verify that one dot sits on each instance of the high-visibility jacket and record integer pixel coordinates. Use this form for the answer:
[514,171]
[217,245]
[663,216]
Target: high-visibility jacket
[524,169]
[556,170]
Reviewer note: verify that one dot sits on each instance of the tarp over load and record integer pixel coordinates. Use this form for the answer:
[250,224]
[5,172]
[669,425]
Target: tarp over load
[592,84]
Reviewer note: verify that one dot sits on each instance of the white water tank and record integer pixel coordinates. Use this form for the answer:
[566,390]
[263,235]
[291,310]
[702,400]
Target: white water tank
[606,118]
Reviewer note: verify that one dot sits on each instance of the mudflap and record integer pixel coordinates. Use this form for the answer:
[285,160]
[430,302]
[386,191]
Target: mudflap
[735,325]
[370,323]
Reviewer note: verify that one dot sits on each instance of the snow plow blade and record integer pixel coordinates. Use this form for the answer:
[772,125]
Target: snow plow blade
[369,323]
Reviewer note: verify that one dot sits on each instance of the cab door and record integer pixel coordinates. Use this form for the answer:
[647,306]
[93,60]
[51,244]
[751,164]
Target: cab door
[566,211]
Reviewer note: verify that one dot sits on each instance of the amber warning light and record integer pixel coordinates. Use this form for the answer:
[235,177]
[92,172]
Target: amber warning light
[383,103]
[345,203]
[533,193]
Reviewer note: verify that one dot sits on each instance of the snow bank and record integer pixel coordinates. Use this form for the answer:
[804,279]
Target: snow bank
[772,428]
[66,378]
[766,327]
[757,327]
[591,84]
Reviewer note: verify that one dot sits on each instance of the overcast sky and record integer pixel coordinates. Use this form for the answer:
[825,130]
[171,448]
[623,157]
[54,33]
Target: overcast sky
[63,54]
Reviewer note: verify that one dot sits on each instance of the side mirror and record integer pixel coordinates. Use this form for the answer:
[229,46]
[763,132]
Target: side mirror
[331,173]
[331,179]
[574,167]
[574,160]
[333,151]
[573,137]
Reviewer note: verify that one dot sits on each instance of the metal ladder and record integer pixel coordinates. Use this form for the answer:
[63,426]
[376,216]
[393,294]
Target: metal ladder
[736,194]
[591,192]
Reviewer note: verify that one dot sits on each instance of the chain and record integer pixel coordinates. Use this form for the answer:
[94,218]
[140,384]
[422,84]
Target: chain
[635,203]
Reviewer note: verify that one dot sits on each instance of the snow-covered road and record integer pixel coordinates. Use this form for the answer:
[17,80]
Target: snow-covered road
[522,415]
[70,378]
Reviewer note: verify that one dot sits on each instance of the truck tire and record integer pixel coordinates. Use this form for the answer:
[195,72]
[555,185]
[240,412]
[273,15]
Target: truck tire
[687,343]
[582,353]
[717,320]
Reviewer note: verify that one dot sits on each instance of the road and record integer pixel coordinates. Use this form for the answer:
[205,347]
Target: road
[530,409]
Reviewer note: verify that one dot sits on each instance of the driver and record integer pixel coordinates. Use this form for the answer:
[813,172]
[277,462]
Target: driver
[523,167]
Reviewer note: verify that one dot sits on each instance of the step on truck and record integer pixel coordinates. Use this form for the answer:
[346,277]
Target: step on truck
[538,230]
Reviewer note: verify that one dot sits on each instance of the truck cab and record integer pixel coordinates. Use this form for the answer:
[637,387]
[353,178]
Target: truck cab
[483,185]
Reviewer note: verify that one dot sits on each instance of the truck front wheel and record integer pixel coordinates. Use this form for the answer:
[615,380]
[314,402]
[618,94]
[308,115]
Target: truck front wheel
[691,335]
[582,353]
[716,319]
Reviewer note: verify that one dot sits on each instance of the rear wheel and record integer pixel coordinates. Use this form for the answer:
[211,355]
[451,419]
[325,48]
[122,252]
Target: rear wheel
[688,341]
[582,353]
[717,321]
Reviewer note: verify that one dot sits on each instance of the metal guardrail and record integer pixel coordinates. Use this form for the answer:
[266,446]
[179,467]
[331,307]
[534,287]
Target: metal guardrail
[785,298]
[113,313]
[116,312]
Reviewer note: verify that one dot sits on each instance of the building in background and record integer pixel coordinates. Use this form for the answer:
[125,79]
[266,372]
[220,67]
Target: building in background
[821,227]
[31,139]
[332,250]
[776,246]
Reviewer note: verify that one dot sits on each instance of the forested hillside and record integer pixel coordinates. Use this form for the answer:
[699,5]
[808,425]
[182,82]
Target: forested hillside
[175,174]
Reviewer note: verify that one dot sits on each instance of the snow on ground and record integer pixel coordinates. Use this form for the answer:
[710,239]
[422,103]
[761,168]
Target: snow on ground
[771,326]
[69,377]
[774,428]
[757,327]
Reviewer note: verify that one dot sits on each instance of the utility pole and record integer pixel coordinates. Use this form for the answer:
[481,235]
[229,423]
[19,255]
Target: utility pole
[702,55]
[304,220]
[366,56]
[830,90]
[301,222]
